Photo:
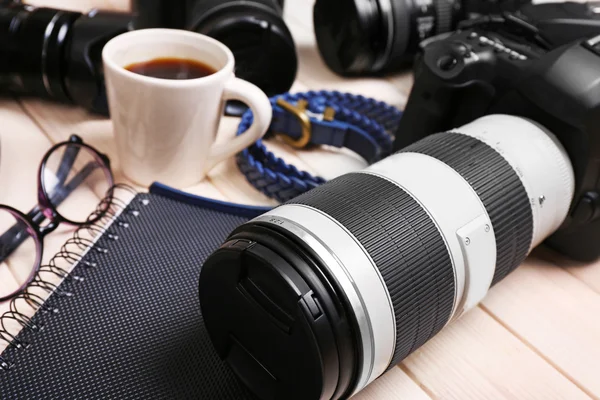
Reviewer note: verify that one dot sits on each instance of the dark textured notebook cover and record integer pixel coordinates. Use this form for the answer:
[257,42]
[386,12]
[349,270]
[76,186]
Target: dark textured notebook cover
[133,328]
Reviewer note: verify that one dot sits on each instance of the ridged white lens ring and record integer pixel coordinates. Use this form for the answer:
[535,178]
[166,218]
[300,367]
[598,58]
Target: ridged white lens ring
[540,161]
[452,204]
[356,274]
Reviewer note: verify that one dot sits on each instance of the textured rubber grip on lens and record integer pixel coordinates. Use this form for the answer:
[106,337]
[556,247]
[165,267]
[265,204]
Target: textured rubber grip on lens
[443,14]
[404,244]
[497,185]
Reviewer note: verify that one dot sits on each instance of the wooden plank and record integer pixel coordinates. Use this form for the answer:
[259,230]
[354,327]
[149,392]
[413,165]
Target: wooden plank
[556,314]
[394,385]
[586,272]
[83,5]
[475,358]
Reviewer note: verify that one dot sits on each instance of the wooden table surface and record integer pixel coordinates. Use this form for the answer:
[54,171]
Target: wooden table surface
[535,336]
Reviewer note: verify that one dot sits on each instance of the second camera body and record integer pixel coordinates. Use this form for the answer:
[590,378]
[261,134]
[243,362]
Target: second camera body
[502,66]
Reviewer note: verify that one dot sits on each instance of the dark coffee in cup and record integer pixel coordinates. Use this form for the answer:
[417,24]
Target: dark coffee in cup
[172,68]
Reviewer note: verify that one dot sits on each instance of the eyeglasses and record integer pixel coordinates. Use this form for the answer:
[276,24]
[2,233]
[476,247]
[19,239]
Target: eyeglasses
[69,171]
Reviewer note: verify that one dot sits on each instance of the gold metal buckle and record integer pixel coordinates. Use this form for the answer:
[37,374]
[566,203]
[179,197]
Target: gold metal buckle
[299,111]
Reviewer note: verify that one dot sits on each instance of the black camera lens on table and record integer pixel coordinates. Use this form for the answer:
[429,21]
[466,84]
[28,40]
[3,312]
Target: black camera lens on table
[56,54]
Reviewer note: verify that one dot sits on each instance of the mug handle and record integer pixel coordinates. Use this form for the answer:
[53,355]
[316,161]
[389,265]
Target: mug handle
[257,100]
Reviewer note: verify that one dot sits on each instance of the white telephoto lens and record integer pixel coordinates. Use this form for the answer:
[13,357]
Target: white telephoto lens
[407,245]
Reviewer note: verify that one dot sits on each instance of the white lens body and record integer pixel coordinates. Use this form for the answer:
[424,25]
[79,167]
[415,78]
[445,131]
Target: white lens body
[459,214]
[541,162]
[538,159]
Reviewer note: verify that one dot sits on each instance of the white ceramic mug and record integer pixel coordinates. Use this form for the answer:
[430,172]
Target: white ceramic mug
[166,129]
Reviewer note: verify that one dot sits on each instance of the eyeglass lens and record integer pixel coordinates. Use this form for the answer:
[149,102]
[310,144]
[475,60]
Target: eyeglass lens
[18,253]
[74,178]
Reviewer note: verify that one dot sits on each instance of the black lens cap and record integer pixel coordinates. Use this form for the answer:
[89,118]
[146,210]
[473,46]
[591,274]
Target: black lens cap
[264,50]
[268,324]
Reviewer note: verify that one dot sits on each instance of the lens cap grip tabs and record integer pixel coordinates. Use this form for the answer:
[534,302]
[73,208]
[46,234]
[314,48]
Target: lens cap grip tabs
[267,323]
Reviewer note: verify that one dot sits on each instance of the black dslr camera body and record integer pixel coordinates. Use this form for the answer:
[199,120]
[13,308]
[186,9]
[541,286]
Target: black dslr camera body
[503,65]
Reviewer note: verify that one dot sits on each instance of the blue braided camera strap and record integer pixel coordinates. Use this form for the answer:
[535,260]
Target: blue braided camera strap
[363,125]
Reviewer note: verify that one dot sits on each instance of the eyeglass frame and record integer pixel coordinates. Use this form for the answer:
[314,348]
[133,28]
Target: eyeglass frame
[46,210]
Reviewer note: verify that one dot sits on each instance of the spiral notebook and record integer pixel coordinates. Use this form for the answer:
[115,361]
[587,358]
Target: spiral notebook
[126,323]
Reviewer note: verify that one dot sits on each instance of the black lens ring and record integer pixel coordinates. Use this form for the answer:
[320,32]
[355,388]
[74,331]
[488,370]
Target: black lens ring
[54,54]
[387,24]
[348,48]
[414,260]
[336,304]
[212,19]
[497,185]
[401,28]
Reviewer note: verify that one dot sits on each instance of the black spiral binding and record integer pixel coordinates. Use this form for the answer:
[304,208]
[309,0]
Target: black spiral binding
[112,208]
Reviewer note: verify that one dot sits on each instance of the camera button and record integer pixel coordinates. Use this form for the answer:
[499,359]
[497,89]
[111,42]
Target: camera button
[460,49]
[593,45]
[585,209]
[447,63]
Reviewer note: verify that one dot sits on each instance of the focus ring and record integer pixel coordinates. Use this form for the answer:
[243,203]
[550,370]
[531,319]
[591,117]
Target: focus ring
[443,11]
[497,185]
[405,245]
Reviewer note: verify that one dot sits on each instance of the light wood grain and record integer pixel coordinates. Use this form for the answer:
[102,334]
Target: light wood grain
[394,385]
[587,273]
[475,358]
[556,314]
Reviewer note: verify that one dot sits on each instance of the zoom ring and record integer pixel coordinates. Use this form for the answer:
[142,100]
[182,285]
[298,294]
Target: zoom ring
[443,14]
[497,185]
[405,245]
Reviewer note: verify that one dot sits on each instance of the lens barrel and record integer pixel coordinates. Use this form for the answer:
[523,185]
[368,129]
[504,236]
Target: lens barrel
[34,42]
[400,255]
[255,32]
[368,37]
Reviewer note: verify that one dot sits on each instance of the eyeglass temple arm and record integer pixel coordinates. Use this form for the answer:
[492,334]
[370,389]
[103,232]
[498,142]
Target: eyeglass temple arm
[15,236]
[66,163]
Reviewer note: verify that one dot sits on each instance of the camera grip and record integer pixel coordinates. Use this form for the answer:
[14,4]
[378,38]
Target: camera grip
[577,244]
[444,96]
